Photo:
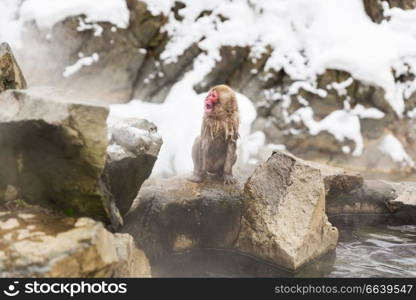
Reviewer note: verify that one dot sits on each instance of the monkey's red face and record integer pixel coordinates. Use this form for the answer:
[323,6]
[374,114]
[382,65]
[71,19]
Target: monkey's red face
[211,100]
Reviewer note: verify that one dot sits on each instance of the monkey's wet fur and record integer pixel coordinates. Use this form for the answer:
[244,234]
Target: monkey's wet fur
[214,151]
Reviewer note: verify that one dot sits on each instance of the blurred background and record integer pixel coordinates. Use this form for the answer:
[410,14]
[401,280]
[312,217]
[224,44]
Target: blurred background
[329,81]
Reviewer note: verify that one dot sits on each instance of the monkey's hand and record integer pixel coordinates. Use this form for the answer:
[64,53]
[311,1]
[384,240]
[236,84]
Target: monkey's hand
[196,178]
[229,179]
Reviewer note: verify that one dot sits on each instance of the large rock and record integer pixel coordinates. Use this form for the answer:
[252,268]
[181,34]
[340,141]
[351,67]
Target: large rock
[284,218]
[175,215]
[374,202]
[132,261]
[120,54]
[53,154]
[369,198]
[38,243]
[132,151]
[11,76]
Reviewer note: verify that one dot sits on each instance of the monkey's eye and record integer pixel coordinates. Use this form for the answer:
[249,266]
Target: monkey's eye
[214,96]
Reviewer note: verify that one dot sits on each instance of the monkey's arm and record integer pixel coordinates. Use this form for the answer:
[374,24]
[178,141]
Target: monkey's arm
[230,158]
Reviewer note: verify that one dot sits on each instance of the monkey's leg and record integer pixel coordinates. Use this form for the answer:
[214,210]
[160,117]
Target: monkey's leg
[198,175]
[230,159]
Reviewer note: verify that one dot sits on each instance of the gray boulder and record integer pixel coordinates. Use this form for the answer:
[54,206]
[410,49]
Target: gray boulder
[284,218]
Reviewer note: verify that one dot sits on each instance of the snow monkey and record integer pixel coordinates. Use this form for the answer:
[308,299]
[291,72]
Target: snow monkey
[214,151]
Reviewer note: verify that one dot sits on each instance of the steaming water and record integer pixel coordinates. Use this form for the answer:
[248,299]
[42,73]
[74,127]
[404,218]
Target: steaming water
[387,251]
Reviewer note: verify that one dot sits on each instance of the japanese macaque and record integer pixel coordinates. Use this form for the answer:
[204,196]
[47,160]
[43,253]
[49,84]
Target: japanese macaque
[214,151]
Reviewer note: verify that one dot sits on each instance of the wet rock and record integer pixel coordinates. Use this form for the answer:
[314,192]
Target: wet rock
[53,154]
[175,215]
[121,53]
[374,8]
[280,191]
[403,207]
[44,244]
[132,151]
[11,76]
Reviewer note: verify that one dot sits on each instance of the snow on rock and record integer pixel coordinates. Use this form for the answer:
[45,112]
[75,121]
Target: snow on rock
[334,123]
[392,147]
[46,13]
[308,37]
[98,30]
[179,123]
[82,62]
[367,113]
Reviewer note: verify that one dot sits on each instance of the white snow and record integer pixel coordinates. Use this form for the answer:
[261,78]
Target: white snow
[46,13]
[334,123]
[392,147]
[308,36]
[98,30]
[80,63]
[367,113]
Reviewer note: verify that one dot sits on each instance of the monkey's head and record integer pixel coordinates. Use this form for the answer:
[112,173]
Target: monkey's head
[221,100]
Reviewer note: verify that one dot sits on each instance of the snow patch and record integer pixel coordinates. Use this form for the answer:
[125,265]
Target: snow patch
[308,37]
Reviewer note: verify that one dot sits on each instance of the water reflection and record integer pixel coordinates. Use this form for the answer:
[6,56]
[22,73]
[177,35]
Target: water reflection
[387,251]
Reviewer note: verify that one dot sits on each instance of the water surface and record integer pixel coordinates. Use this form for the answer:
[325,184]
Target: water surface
[382,251]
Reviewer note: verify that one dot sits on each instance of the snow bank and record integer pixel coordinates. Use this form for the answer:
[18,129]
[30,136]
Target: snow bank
[46,13]
[342,124]
[179,121]
[392,147]
[79,64]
